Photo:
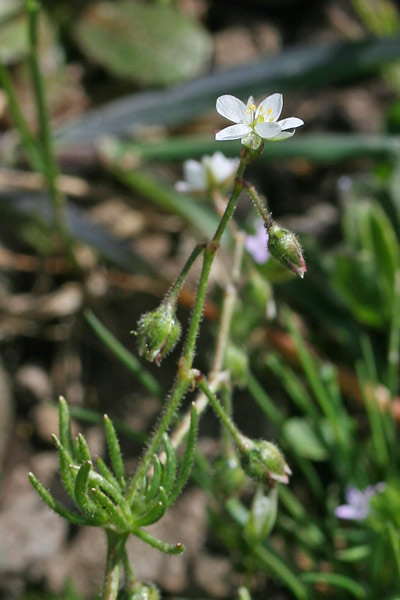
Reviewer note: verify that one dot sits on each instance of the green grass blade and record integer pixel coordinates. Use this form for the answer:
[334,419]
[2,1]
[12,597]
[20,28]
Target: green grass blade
[263,400]
[128,359]
[341,581]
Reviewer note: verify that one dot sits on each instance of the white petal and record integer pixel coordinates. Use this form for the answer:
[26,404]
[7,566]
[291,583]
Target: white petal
[221,167]
[231,108]
[182,186]
[290,123]
[271,106]
[282,136]
[267,130]
[234,132]
[194,174]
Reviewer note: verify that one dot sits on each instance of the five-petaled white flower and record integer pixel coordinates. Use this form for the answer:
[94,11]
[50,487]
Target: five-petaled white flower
[211,172]
[255,124]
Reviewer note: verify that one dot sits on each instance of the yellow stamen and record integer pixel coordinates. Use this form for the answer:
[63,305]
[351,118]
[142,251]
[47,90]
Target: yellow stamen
[269,111]
[271,119]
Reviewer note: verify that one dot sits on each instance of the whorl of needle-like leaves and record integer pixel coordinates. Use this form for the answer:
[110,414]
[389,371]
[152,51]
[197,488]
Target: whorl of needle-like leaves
[100,494]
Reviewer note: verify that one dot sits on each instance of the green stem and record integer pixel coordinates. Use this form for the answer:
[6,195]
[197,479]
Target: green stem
[258,203]
[115,552]
[28,141]
[184,376]
[221,413]
[209,255]
[176,287]
[50,163]
[171,407]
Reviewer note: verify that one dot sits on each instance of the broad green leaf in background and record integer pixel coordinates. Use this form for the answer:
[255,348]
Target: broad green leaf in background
[151,44]
[303,440]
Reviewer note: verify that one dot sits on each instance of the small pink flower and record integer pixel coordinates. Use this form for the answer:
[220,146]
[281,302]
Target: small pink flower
[257,244]
[357,507]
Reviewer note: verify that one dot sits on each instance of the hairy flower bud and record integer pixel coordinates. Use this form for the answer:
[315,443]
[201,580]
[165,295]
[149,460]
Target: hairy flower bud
[158,332]
[263,461]
[262,515]
[144,591]
[238,364]
[229,476]
[285,248]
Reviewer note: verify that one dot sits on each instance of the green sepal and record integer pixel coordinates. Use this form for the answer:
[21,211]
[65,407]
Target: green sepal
[106,472]
[156,511]
[104,503]
[170,464]
[56,507]
[65,460]
[187,458]
[81,489]
[114,450]
[149,539]
[155,480]
[65,426]
[83,449]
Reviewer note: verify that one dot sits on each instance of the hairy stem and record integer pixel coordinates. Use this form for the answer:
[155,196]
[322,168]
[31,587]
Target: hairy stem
[185,376]
[115,554]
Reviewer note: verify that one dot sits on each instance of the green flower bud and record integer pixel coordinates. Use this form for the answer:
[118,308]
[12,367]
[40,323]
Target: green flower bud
[158,332]
[229,476]
[144,591]
[238,364]
[262,515]
[263,461]
[285,248]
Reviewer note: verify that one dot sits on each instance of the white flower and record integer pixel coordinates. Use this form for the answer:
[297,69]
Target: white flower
[211,171]
[255,124]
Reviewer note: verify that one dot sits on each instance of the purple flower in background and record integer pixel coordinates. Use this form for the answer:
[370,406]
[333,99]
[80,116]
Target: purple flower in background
[357,507]
[257,244]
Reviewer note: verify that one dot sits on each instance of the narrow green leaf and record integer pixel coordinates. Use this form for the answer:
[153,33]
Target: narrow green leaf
[282,571]
[156,543]
[187,458]
[65,426]
[81,489]
[98,481]
[106,473]
[293,385]
[105,504]
[114,450]
[65,460]
[156,510]
[55,506]
[263,400]
[169,469]
[83,449]
[336,580]
[155,480]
